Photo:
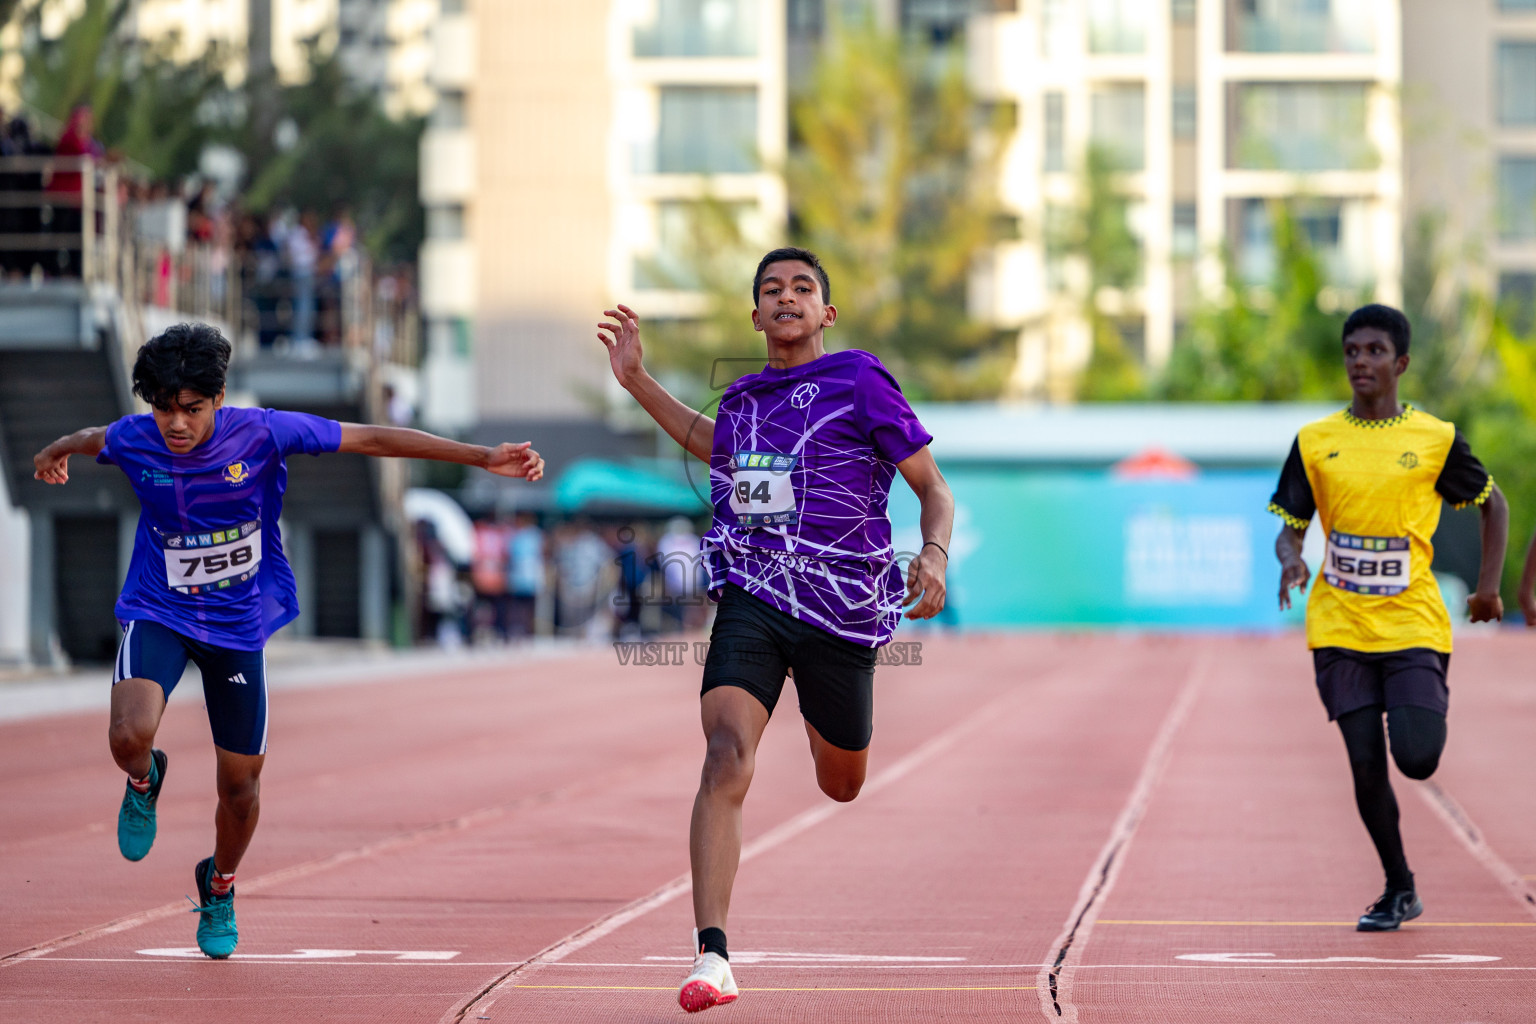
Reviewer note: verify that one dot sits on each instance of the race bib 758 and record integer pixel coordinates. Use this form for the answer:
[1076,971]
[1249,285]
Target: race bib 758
[199,562]
[1368,565]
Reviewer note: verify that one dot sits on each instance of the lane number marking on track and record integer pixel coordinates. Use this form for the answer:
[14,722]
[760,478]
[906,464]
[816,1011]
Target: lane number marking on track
[193,953]
[1270,958]
[829,959]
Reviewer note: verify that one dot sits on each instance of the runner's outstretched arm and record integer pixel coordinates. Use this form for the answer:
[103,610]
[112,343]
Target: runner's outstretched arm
[693,430]
[51,465]
[514,460]
[925,575]
[1293,571]
[1528,584]
[1485,604]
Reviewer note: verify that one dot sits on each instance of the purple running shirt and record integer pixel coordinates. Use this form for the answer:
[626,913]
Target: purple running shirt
[800,474]
[207,558]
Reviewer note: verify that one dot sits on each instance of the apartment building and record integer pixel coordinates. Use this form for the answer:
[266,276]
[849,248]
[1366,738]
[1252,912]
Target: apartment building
[1210,110]
[570,146]
[386,48]
[1470,108]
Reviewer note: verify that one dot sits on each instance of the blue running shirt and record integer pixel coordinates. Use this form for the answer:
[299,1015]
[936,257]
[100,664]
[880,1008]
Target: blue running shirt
[208,559]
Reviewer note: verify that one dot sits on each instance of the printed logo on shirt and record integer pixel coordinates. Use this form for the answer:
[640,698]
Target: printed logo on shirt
[1408,460]
[1333,455]
[156,478]
[237,473]
[804,394]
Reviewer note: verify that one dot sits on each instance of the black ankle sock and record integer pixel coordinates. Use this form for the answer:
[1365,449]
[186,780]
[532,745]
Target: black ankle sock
[712,940]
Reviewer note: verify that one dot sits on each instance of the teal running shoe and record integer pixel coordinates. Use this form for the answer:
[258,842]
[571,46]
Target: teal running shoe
[136,817]
[216,931]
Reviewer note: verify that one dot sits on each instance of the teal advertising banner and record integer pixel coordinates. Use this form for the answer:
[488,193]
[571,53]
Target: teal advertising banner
[1086,548]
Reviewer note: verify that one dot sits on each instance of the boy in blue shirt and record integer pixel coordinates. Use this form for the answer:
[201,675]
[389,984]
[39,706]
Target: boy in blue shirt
[208,581]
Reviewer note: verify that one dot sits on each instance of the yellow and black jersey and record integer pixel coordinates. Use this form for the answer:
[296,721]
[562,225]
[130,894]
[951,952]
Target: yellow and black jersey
[1377,486]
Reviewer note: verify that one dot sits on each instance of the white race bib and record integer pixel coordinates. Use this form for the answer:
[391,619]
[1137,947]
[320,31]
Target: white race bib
[1368,565]
[199,562]
[763,489]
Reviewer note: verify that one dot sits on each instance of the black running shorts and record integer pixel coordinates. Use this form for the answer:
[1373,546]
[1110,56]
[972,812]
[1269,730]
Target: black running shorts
[1349,680]
[752,646]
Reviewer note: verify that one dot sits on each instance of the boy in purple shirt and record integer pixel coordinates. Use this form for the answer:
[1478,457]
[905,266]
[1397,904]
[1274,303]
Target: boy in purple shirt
[208,581]
[801,459]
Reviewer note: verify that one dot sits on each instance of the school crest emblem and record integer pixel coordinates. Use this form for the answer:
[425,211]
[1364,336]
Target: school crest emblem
[237,473]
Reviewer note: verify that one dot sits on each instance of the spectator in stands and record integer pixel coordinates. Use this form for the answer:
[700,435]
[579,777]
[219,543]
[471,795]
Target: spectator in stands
[488,575]
[677,556]
[66,188]
[525,574]
[583,571]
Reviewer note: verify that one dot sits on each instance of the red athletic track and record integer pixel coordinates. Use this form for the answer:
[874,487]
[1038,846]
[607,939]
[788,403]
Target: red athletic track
[1052,821]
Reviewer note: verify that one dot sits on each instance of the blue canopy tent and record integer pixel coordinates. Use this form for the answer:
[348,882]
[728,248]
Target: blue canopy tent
[652,487]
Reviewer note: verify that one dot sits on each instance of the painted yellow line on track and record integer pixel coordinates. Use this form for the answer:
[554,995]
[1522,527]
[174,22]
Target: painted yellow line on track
[808,988]
[1330,924]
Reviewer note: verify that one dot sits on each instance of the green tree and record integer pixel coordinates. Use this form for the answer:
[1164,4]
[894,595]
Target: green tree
[1270,343]
[889,182]
[1096,231]
[348,153]
[157,111]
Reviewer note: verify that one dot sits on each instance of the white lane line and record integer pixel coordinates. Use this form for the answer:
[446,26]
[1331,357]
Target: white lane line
[1054,982]
[1462,827]
[1464,963]
[481,1002]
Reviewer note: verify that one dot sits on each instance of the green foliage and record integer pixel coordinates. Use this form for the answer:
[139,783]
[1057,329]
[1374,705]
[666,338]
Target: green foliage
[162,113]
[349,153]
[889,186]
[1268,344]
[1096,232]
[148,107]
[886,186]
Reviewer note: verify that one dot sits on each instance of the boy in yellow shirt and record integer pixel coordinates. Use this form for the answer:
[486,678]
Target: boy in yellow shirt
[1376,474]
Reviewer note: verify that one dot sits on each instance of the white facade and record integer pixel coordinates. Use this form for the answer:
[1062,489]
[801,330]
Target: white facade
[561,177]
[1213,108]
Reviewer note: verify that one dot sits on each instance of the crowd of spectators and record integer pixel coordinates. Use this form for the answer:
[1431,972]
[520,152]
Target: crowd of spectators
[194,243]
[573,578]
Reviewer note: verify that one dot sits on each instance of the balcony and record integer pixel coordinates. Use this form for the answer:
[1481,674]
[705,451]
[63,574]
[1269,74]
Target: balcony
[449,278]
[454,52]
[448,166]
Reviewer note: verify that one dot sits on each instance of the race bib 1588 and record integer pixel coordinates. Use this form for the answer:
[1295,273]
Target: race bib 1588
[199,562]
[763,490]
[1368,565]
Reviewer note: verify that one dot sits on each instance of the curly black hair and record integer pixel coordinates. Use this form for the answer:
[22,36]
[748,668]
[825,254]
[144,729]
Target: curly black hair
[184,357]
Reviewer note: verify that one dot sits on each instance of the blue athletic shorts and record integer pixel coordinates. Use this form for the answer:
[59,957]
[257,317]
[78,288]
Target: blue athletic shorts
[234,682]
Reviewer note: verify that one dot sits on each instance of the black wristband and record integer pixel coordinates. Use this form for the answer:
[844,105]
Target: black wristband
[937,545]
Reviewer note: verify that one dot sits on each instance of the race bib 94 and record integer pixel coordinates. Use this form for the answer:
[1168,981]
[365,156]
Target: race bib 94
[196,563]
[1368,565]
[763,490]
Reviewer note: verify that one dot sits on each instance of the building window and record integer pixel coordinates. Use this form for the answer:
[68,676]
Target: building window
[1301,26]
[804,17]
[1301,126]
[1119,124]
[1517,299]
[707,130]
[699,28]
[446,222]
[1186,230]
[1058,28]
[1183,11]
[1117,26]
[451,110]
[1517,199]
[1337,231]
[687,230]
[1185,123]
[1055,121]
[1517,5]
[1517,83]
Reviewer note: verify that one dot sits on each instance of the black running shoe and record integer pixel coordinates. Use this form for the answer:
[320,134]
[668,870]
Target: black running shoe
[1394,907]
